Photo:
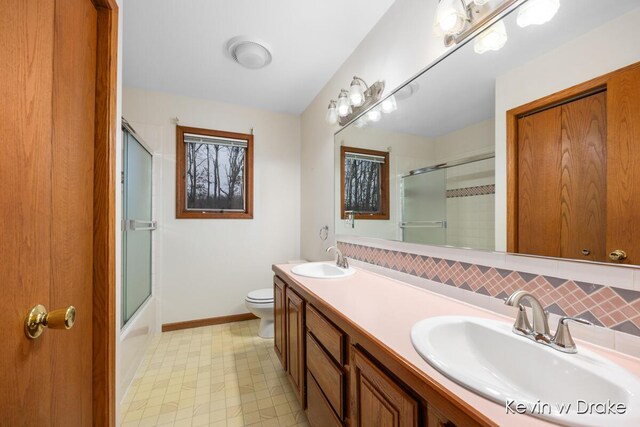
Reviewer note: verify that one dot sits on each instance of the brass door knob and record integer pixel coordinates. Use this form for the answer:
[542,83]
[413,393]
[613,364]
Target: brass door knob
[38,318]
[618,255]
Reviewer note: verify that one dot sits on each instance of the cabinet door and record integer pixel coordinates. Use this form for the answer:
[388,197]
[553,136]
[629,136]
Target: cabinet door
[279,341]
[295,342]
[377,401]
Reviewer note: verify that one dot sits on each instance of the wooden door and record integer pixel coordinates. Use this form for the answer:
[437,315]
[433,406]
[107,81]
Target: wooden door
[376,400]
[279,333]
[48,69]
[623,172]
[295,342]
[562,184]
[539,183]
[583,204]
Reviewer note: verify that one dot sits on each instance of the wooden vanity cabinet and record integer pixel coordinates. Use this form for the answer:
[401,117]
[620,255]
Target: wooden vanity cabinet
[336,376]
[325,365]
[279,333]
[376,400]
[295,345]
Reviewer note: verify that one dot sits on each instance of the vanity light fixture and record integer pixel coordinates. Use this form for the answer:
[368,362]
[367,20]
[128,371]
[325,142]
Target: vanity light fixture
[493,38]
[356,92]
[389,105]
[374,115]
[332,113]
[344,108]
[451,17]
[537,12]
[455,20]
[352,102]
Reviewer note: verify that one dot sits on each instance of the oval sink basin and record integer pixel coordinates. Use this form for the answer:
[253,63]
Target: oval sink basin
[486,357]
[322,270]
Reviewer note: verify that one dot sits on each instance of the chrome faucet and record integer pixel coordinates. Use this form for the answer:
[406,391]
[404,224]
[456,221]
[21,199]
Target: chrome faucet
[341,260]
[539,331]
[540,323]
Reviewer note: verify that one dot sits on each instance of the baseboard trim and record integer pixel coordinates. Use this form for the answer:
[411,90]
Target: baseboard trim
[167,327]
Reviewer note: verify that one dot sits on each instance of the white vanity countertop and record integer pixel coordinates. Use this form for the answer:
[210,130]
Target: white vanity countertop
[388,309]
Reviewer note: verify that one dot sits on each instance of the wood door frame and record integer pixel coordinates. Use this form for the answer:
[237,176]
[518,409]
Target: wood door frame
[581,90]
[104,227]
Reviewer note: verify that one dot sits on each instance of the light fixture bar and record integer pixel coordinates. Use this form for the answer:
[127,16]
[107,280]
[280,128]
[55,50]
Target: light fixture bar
[372,95]
[481,16]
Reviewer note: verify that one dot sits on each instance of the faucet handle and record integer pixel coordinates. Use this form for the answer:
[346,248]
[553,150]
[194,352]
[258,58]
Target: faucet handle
[522,324]
[345,262]
[562,340]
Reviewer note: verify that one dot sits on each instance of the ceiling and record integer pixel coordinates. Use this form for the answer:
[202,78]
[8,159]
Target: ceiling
[460,90]
[177,46]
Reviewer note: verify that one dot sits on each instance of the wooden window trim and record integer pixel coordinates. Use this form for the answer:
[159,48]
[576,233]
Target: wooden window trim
[181,211]
[384,184]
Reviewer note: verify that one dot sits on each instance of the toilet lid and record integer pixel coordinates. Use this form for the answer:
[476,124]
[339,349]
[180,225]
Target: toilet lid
[261,295]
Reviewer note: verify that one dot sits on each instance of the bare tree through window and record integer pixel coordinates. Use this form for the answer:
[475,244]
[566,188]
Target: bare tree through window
[214,174]
[362,185]
[365,183]
[215,177]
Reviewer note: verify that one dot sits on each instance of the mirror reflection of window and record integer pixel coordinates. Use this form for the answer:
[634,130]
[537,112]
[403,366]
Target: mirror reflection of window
[365,183]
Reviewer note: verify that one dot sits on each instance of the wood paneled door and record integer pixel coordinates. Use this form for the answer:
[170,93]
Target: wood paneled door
[279,321]
[295,351]
[574,171]
[57,64]
[376,400]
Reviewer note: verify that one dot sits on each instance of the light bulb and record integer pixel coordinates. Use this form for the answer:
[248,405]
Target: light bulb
[374,115]
[332,114]
[493,38]
[389,105]
[356,94]
[537,12]
[343,104]
[361,122]
[451,17]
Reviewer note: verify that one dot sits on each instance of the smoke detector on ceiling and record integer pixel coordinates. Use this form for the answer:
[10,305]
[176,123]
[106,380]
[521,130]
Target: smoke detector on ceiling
[249,52]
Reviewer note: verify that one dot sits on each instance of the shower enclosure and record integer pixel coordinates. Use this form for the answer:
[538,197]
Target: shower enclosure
[450,203]
[137,223]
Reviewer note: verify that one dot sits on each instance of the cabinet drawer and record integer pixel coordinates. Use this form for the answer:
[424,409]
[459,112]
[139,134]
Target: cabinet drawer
[330,377]
[319,411]
[328,335]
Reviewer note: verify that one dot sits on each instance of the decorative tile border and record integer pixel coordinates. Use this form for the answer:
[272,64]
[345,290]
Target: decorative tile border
[479,190]
[607,306]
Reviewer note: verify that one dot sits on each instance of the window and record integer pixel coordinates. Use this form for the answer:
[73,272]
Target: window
[364,175]
[214,174]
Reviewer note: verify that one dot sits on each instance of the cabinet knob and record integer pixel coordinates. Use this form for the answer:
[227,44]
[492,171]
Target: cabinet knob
[618,255]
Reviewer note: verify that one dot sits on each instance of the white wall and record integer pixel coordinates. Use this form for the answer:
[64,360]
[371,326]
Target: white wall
[478,138]
[406,152]
[207,266]
[604,49]
[399,46]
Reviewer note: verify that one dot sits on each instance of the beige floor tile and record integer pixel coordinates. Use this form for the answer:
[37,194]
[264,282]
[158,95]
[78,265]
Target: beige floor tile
[220,376]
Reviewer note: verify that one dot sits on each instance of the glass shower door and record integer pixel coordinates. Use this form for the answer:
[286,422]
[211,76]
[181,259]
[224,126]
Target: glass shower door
[424,208]
[137,225]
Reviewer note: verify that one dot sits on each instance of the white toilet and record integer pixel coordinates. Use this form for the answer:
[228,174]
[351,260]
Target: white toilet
[260,304]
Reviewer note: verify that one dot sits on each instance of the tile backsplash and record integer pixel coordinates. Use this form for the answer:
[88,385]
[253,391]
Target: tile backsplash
[608,306]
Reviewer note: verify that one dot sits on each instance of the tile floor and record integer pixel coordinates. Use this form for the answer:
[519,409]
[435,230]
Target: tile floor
[223,375]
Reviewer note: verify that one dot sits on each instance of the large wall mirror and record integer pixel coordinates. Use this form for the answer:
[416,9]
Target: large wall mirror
[533,148]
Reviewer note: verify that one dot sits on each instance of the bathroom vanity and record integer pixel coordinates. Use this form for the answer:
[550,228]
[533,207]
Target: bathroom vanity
[346,347]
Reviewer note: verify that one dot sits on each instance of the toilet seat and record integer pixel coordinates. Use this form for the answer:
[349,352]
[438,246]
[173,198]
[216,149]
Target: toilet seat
[260,296]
